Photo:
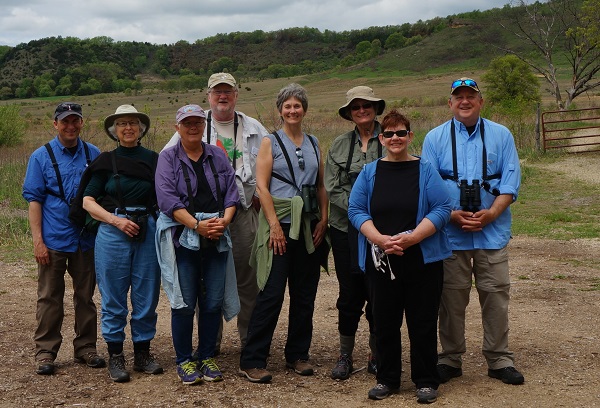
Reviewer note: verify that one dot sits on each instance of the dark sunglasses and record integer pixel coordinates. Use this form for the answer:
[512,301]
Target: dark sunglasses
[300,158]
[365,106]
[64,107]
[400,133]
[464,82]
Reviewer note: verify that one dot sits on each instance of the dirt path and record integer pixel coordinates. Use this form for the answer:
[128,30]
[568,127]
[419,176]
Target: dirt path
[555,335]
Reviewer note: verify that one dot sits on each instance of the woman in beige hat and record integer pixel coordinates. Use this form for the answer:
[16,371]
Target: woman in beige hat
[119,192]
[347,156]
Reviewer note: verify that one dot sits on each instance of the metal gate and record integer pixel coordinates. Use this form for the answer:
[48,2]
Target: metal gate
[576,130]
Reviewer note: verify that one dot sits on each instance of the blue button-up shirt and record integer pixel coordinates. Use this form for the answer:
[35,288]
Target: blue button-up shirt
[58,232]
[502,159]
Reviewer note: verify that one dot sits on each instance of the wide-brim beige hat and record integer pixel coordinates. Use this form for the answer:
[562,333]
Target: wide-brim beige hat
[126,110]
[360,92]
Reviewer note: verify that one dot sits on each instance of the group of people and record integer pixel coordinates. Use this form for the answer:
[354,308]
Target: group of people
[228,215]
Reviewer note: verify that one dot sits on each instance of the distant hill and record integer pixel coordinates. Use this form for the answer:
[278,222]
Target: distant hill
[58,66]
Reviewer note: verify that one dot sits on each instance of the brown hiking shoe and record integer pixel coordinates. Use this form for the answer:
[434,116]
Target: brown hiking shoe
[301,367]
[91,359]
[256,375]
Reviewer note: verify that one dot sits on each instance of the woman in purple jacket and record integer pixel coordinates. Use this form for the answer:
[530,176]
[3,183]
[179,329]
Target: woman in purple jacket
[196,190]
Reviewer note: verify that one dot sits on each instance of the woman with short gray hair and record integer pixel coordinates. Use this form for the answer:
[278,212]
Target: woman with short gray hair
[290,242]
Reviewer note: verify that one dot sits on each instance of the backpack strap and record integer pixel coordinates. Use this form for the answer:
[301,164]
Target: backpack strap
[61,189]
[289,163]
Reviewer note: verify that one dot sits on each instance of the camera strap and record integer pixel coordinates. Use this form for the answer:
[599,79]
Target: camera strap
[188,184]
[486,185]
[61,189]
[235,129]
[289,162]
[351,151]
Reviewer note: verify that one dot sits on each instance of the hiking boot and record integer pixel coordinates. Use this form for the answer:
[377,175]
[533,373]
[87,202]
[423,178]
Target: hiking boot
[188,373]
[381,391]
[372,365]
[210,371]
[45,366]
[91,359]
[301,367]
[116,368]
[508,375]
[143,361]
[343,368]
[426,395]
[256,375]
[447,372]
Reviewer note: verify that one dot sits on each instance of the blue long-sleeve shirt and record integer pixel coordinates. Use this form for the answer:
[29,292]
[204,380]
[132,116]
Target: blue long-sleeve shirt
[434,205]
[58,232]
[502,159]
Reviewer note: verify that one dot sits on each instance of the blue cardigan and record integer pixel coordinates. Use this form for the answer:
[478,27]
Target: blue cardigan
[434,204]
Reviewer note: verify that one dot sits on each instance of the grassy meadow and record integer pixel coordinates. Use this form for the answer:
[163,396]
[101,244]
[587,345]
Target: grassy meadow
[423,98]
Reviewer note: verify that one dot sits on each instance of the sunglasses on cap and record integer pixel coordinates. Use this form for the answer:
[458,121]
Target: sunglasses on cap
[464,82]
[366,105]
[400,133]
[67,106]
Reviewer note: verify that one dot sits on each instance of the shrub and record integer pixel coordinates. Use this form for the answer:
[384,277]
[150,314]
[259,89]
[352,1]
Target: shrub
[12,125]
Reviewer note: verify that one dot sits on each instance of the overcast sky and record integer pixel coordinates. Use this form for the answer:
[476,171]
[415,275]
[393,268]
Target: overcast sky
[168,21]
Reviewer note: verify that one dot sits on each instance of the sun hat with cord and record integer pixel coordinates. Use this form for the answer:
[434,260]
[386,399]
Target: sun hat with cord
[125,110]
[360,92]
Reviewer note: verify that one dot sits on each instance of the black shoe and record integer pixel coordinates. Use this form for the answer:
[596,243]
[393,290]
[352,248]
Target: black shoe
[116,368]
[426,395]
[143,361]
[508,375]
[447,372]
[91,359]
[372,365]
[343,368]
[45,366]
[381,391]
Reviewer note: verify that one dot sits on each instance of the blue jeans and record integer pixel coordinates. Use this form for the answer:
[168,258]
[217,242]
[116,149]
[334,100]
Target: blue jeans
[202,282]
[122,265]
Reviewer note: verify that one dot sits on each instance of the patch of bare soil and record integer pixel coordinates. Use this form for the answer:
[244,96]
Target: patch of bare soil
[555,335]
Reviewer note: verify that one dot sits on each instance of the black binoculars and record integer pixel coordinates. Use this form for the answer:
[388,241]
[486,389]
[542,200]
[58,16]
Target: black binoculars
[470,195]
[309,197]
[142,221]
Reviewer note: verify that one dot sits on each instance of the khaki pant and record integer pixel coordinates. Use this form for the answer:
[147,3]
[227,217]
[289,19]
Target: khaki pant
[50,310]
[489,269]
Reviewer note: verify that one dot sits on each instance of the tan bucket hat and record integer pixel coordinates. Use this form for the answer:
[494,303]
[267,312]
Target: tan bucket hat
[360,92]
[125,110]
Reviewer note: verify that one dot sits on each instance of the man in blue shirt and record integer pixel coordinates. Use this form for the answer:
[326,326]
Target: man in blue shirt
[478,160]
[50,185]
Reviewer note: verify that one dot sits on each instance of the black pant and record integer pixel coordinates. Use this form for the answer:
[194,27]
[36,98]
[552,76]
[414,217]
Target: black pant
[301,272]
[353,291]
[415,292]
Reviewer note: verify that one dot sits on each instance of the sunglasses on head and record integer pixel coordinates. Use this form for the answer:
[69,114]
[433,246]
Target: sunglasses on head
[64,107]
[400,133]
[365,106]
[300,158]
[464,82]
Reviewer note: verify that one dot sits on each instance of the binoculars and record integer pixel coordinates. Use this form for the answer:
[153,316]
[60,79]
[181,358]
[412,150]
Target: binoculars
[309,197]
[470,195]
[142,221]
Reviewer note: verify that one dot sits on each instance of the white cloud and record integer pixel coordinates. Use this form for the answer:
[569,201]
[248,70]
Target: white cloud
[166,22]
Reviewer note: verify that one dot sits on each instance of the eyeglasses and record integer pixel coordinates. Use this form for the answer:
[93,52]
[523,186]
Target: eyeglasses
[464,82]
[130,123]
[300,156]
[67,106]
[219,92]
[400,133]
[365,106]
[193,124]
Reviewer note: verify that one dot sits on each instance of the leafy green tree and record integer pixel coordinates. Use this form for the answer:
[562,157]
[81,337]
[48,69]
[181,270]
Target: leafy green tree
[395,40]
[12,125]
[511,81]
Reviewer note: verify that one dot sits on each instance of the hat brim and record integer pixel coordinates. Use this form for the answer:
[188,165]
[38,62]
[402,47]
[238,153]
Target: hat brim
[344,113]
[110,120]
